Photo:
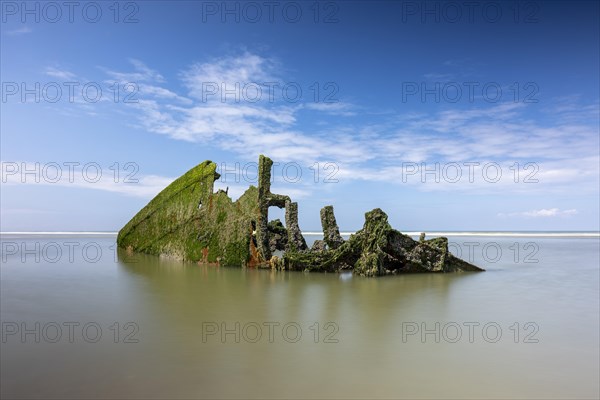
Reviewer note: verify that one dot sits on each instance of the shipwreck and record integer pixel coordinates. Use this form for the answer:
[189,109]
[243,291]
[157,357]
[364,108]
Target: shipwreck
[189,221]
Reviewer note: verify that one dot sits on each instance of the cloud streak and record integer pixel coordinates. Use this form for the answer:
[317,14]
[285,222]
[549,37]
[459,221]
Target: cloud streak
[563,149]
[542,213]
[146,186]
[19,31]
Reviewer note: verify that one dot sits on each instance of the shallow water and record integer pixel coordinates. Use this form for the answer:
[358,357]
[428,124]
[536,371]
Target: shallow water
[528,327]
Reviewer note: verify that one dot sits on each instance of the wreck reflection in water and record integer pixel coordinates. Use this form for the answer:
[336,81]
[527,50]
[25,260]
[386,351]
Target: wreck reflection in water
[215,332]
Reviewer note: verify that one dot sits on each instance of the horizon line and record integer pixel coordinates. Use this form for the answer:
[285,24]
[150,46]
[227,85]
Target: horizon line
[556,234]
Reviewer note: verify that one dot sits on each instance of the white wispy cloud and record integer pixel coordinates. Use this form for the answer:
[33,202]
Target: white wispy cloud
[541,213]
[143,83]
[497,132]
[141,73]
[563,149]
[147,186]
[334,108]
[227,72]
[60,74]
[19,31]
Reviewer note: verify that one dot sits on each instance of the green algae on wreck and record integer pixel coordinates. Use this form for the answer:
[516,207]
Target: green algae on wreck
[188,221]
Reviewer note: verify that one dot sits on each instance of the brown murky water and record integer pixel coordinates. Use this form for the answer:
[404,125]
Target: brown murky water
[142,327]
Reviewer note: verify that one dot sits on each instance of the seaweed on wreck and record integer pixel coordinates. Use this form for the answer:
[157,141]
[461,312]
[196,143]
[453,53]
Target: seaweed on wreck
[189,221]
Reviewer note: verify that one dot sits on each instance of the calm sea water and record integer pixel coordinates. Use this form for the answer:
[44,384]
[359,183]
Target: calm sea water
[81,320]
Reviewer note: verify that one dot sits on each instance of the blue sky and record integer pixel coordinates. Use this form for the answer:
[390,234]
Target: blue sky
[447,116]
